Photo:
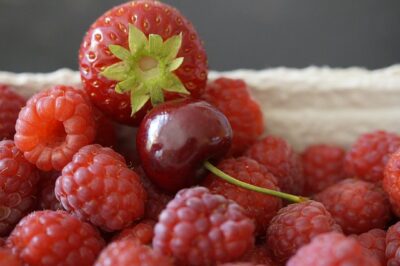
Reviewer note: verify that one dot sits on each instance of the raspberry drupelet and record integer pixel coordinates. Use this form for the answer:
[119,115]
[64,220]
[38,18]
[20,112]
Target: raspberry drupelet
[10,105]
[369,154]
[143,232]
[356,205]
[280,159]
[200,228]
[97,186]
[53,126]
[332,249]
[128,252]
[295,225]
[55,238]
[323,166]
[393,245]
[233,98]
[391,181]
[374,241]
[18,180]
[260,207]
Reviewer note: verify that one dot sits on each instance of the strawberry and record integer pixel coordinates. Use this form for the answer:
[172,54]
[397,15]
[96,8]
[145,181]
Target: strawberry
[137,52]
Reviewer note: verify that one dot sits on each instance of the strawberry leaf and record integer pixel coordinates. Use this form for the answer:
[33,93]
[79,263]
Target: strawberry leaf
[119,51]
[137,40]
[126,85]
[155,43]
[175,64]
[138,99]
[172,46]
[117,72]
[146,81]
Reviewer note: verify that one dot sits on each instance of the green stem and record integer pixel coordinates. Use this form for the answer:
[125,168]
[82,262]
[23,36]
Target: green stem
[244,185]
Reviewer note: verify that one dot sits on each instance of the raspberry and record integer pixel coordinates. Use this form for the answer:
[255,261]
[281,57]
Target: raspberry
[156,199]
[55,238]
[10,105]
[128,252]
[369,154]
[391,181]
[295,225]
[47,197]
[280,159]
[356,205]
[142,231]
[262,208]
[53,126]
[393,245]
[200,228]
[18,179]
[233,98]
[375,242]
[332,249]
[323,166]
[97,186]
[7,258]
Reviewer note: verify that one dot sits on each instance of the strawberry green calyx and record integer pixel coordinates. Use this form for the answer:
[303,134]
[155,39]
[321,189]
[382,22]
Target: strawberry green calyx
[146,68]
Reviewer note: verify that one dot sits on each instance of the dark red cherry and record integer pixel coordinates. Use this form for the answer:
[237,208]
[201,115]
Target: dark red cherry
[177,137]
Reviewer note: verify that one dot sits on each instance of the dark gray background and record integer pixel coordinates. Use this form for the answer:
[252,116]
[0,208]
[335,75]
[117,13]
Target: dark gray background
[43,35]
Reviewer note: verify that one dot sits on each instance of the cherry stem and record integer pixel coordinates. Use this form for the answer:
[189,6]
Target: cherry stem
[210,167]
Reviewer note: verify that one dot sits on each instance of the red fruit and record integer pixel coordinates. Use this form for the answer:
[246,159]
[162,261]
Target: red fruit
[55,238]
[152,66]
[7,258]
[356,205]
[260,207]
[295,225]
[200,228]
[18,179]
[369,154]
[10,105]
[332,249]
[375,242]
[323,166]
[97,186]
[47,197]
[130,253]
[391,181]
[142,232]
[53,126]
[233,98]
[175,139]
[393,245]
[280,159]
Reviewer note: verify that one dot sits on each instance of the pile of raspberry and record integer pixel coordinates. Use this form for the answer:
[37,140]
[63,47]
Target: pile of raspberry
[68,195]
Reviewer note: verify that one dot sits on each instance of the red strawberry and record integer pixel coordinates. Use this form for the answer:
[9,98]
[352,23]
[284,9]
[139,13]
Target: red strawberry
[137,51]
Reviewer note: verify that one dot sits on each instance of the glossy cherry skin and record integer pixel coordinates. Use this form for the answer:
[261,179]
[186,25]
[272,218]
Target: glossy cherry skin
[176,137]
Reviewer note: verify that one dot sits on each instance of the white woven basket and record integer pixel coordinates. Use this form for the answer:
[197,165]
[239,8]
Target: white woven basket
[305,106]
